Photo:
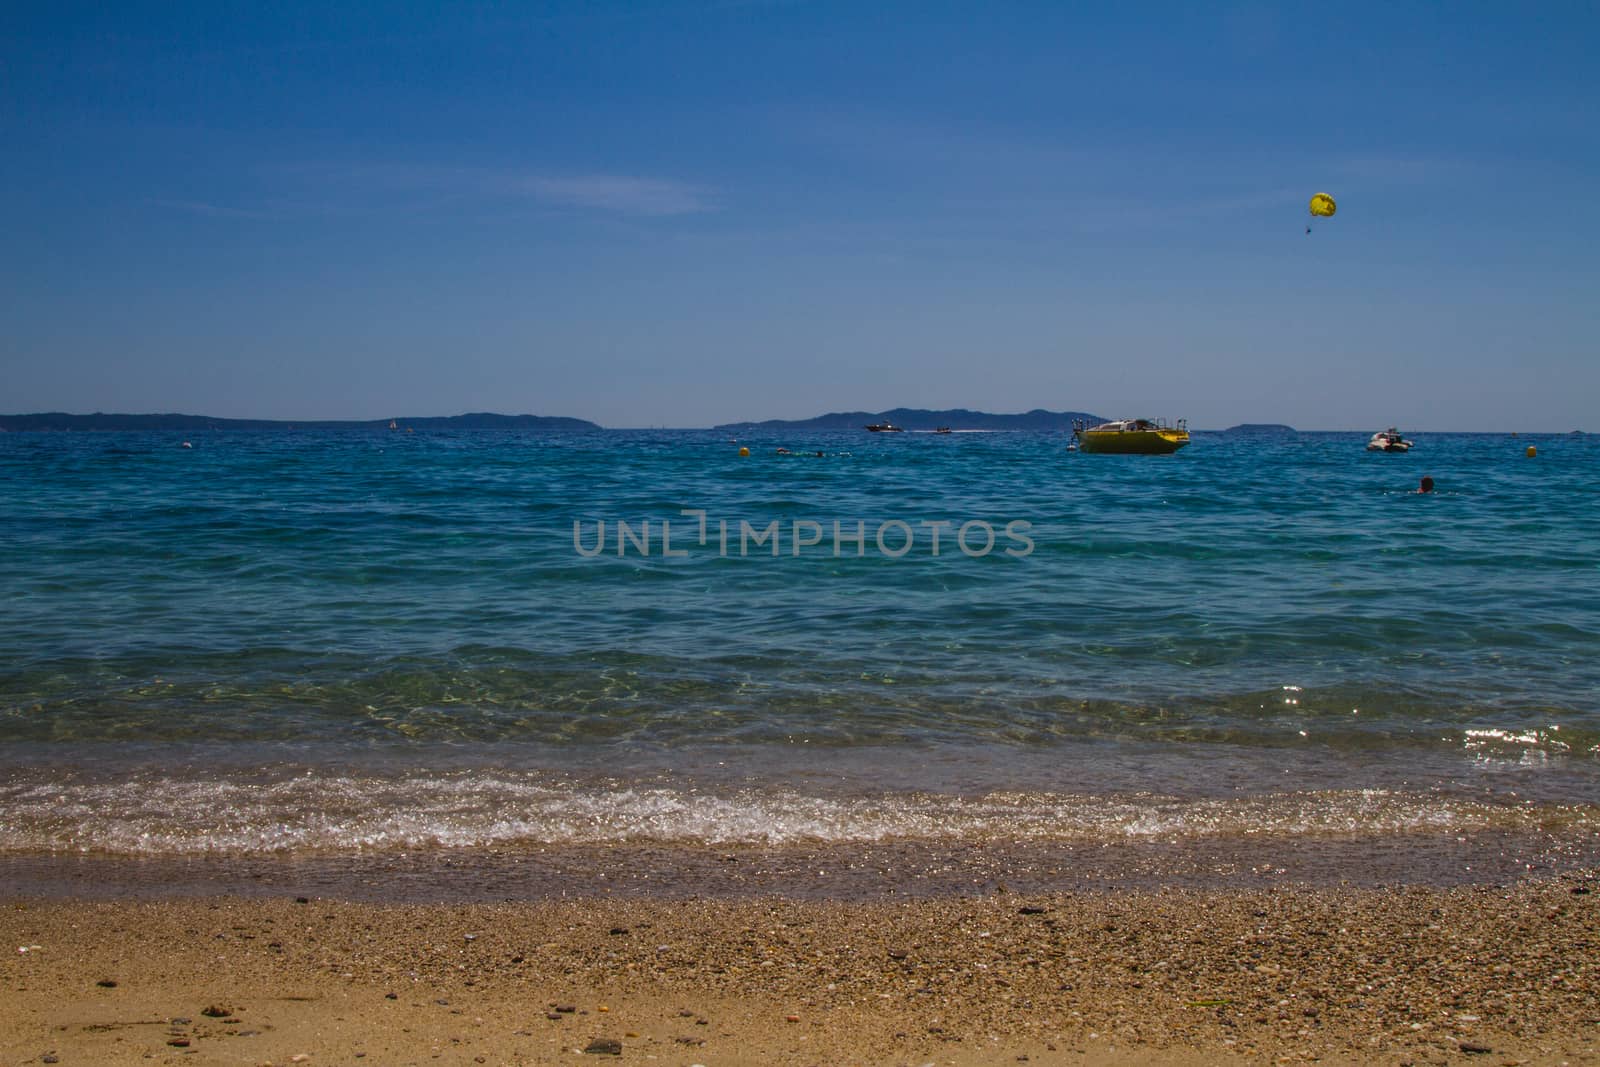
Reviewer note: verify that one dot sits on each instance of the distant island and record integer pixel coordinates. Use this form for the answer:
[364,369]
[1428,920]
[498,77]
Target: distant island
[1261,427]
[56,420]
[905,418]
[922,419]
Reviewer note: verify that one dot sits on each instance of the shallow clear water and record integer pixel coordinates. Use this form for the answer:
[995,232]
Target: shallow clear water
[281,642]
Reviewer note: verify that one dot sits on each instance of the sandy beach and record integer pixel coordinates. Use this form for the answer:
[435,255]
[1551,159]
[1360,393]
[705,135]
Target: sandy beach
[1475,974]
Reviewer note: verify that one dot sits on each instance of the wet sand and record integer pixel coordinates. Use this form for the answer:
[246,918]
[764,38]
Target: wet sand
[850,872]
[1478,974]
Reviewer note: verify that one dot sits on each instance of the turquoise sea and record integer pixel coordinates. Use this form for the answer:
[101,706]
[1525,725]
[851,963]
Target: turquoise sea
[284,650]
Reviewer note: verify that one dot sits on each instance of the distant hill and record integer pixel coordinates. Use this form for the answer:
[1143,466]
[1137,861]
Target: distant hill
[56,420]
[1261,428]
[922,419]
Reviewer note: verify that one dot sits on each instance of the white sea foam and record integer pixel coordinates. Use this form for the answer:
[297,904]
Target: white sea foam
[333,813]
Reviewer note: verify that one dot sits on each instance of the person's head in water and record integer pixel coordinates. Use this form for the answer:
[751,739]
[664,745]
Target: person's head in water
[1426,486]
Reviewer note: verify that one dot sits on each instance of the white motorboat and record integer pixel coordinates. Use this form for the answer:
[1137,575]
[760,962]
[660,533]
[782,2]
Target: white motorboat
[1388,441]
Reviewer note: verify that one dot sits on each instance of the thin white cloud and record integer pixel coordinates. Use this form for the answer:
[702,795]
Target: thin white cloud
[623,195]
[201,207]
[1399,170]
[614,194]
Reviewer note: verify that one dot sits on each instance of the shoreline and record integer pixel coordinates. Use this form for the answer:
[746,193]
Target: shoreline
[861,872]
[1478,974]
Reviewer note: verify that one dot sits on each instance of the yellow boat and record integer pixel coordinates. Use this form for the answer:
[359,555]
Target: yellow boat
[1137,437]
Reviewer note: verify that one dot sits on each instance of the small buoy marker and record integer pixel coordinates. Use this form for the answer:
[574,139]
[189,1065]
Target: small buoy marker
[743,451]
[1532,451]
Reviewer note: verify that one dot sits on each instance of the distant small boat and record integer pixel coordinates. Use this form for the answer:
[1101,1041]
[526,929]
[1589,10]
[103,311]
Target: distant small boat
[393,425]
[1131,437]
[884,427]
[942,429]
[1388,441]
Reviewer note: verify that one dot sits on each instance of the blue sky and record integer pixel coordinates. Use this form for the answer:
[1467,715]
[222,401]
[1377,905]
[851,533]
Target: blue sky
[687,213]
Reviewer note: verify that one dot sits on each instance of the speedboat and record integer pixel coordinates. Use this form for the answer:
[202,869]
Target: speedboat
[884,427]
[1388,441]
[1138,437]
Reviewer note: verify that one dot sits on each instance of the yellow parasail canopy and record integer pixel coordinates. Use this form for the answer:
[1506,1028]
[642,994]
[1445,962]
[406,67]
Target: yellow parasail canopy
[1322,205]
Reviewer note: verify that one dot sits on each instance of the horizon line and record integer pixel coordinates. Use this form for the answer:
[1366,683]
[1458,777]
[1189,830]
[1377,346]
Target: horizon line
[354,422]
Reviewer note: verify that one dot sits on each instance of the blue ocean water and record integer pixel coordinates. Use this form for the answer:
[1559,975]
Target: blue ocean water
[345,641]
